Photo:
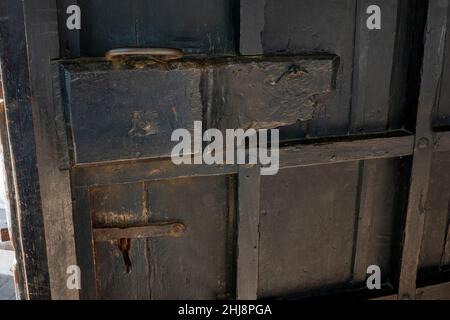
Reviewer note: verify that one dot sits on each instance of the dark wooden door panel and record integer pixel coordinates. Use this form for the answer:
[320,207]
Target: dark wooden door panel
[442,113]
[198,265]
[119,114]
[316,26]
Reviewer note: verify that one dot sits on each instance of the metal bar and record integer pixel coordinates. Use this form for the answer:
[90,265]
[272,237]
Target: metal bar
[151,231]
[423,152]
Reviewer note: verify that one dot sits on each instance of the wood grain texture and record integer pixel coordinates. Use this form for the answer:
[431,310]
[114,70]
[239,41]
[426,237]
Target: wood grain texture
[374,52]
[380,201]
[121,114]
[248,232]
[442,108]
[327,26]
[433,255]
[21,127]
[125,114]
[436,292]
[365,219]
[252,20]
[307,227]
[344,151]
[69,40]
[195,26]
[82,220]
[294,156]
[196,266]
[270,92]
[420,175]
[42,41]
[151,231]
[442,142]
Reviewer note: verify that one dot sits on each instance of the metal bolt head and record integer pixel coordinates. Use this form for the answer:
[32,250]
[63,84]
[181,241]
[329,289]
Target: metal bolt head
[423,143]
[178,229]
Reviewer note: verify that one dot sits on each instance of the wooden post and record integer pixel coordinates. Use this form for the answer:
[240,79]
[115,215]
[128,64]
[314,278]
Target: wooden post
[423,151]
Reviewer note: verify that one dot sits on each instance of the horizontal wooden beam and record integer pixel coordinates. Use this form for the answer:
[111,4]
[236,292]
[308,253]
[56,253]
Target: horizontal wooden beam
[5,235]
[148,170]
[344,151]
[435,292]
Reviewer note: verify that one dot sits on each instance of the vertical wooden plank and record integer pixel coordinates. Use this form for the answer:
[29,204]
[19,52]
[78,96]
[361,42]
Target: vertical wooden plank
[249,181]
[252,26]
[13,213]
[373,63]
[82,220]
[420,175]
[194,26]
[41,23]
[231,234]
[69,40]
[445,261]
[18,100]
[365,216]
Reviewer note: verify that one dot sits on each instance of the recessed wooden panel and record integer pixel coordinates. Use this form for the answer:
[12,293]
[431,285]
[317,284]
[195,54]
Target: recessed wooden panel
[307,227]
[197,265]
[293,27]
[195,26]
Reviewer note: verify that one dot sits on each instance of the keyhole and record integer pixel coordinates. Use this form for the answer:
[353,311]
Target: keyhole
[124,247]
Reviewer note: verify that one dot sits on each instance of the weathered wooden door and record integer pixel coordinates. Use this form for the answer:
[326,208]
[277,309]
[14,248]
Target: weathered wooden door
[347,124]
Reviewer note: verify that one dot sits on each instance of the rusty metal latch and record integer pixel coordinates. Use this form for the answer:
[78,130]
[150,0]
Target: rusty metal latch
[123,236]
[157,54]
